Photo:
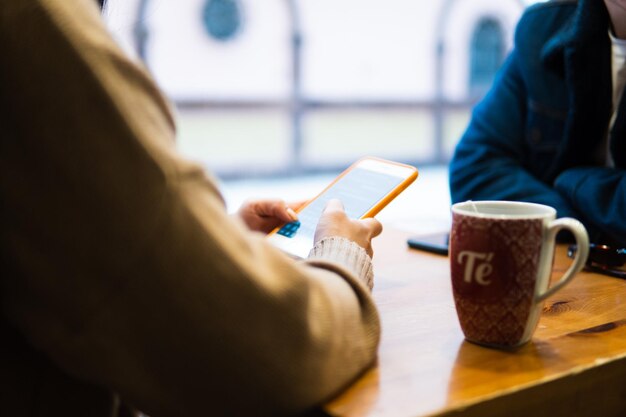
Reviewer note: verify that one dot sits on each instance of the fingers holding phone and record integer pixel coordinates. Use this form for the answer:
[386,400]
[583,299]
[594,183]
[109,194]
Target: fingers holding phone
[265,215]
[335,222]
[364,188]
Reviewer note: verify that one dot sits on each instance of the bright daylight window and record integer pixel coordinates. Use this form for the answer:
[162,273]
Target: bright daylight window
[293,86]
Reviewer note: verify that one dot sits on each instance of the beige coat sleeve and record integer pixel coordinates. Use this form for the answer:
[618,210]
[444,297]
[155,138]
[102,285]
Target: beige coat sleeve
[121,262]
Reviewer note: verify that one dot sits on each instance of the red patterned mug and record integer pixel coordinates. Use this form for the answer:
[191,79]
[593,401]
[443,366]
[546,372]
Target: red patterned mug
[501,255]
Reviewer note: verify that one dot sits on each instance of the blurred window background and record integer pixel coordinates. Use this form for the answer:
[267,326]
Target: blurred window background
[284,87]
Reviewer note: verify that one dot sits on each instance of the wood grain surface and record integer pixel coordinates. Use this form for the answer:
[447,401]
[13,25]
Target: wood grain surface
[575,363]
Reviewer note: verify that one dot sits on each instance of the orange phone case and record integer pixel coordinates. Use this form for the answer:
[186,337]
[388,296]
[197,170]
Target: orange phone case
[299,245]
[382,203]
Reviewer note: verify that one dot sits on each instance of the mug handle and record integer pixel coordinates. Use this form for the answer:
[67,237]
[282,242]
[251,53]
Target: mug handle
[582,243]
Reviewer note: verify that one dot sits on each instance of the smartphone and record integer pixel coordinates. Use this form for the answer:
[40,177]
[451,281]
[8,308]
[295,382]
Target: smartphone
[364,188]
[435,243]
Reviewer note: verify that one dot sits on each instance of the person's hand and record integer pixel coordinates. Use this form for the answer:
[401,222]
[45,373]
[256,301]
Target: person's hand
[266,215]
[335,222]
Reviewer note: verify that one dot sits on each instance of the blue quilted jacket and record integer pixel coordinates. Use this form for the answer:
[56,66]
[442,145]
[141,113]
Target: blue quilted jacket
[534,135]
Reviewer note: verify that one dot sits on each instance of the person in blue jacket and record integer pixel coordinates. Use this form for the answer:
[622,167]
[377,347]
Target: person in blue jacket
[552,129]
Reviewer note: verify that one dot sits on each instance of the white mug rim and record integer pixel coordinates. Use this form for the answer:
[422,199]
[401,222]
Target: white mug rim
[466,208]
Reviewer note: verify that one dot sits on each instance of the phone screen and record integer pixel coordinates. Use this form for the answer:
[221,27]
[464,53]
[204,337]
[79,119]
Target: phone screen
[360,189]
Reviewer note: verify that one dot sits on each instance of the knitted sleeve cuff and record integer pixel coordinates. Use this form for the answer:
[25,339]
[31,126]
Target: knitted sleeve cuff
[346,253]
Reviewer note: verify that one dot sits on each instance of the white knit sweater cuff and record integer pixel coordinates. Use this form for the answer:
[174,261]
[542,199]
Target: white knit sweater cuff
[346,253]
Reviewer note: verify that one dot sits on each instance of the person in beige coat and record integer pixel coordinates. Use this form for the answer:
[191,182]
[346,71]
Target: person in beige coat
[124,283]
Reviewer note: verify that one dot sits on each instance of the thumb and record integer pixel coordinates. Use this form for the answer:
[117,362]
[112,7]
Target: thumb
[374,225]
[283,212]
[333,205]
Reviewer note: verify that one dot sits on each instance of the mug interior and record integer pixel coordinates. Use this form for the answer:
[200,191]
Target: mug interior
[503,209]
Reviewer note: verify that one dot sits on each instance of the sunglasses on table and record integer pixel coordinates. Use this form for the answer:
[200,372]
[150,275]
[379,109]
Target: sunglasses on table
[603,259]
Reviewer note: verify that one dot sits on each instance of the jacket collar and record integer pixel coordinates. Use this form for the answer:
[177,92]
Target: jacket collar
[586,30]
[581,54]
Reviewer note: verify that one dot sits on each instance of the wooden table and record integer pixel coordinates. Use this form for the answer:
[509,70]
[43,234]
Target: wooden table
[575,364]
